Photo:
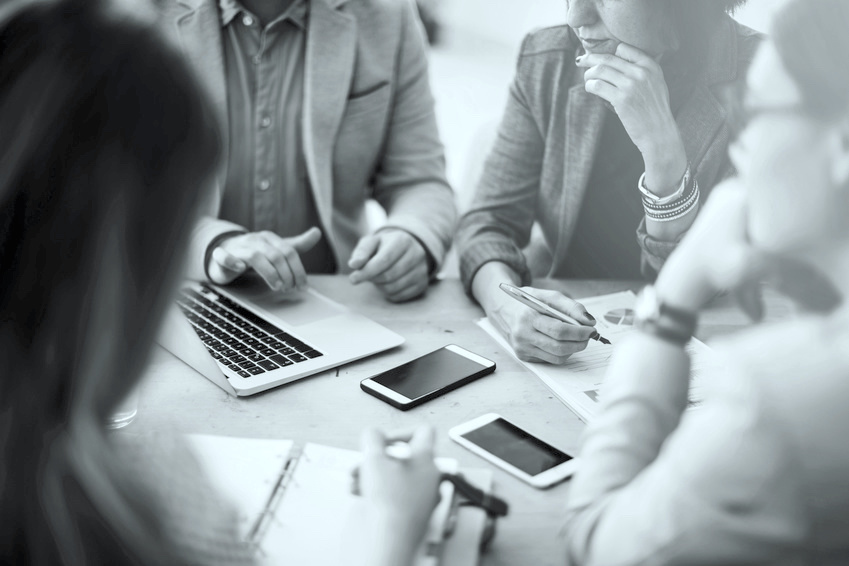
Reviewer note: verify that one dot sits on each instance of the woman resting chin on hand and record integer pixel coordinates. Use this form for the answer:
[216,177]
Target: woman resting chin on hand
[612,133]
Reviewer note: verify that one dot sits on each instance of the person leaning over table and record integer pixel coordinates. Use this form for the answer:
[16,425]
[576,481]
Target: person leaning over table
[86,276]
[758,474]
[324,105]
[612,132]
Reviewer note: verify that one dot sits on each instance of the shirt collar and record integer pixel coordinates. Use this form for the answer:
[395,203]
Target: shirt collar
[296,12]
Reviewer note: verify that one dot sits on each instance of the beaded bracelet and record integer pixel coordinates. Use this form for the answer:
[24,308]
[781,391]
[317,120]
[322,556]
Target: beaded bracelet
[666,211]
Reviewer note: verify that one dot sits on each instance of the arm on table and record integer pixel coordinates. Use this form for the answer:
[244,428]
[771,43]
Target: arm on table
[410,182]
[715,486]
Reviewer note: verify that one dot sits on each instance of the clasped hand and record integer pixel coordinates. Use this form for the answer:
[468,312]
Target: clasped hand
[394,261]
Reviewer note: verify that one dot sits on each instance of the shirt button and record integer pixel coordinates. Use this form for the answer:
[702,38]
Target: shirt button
[264,185]
[266,121]
[248,21]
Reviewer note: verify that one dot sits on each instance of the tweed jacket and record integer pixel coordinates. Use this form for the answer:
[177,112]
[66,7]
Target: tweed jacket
[369,126]
[547,145]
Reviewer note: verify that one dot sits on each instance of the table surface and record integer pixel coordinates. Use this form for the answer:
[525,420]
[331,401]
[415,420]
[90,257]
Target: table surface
[330,408]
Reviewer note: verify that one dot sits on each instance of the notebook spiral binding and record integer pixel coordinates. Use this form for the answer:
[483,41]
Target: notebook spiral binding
[257,532]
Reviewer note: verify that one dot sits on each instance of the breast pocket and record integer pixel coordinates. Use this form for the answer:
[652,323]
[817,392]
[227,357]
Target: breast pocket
[359,140]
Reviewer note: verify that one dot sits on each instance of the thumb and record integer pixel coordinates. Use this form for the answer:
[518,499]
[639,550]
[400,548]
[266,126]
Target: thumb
[304,242]
[364,251]
[569,307]
[372,442]
[421,445]
[227,260]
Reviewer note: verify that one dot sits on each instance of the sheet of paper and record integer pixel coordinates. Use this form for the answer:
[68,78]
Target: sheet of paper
[578,383]
[244,470]
[319,521]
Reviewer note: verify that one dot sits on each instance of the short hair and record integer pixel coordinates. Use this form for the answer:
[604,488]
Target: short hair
[107,143]
[810,37]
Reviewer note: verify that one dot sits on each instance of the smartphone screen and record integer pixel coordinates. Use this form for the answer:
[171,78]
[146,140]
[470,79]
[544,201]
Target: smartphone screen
[516,447]
[432,372]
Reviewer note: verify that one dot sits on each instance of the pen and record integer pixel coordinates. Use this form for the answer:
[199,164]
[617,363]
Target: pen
[490,503]
[542,308]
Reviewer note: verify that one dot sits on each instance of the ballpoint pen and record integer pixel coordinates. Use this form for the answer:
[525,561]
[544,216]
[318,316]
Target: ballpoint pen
[542,308]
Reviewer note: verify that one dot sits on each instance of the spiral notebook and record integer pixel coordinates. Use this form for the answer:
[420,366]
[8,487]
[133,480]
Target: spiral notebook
[296,505]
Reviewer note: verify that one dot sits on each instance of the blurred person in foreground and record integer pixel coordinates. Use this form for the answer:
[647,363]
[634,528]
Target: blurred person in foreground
[757,475]
[106,143]
[324,105]
[612,135]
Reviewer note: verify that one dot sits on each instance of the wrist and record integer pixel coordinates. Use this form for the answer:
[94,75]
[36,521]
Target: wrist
[486,281]
[682,289]
[396,537]
[665,164]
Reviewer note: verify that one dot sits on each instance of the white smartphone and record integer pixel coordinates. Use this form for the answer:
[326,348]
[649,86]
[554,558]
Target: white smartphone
[427,377]
[514,450]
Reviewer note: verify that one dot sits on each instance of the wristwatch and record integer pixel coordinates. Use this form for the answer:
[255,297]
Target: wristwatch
[655,317]
[660,201]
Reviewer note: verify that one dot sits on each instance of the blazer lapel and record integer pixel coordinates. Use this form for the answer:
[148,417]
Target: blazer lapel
[584,123]
[199,30]
[330,56]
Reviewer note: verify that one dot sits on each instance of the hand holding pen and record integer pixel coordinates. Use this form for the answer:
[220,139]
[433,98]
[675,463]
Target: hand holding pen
[541,325]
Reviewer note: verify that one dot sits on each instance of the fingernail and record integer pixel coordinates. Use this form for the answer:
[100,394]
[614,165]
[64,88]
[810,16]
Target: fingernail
[240,266]
[589,316]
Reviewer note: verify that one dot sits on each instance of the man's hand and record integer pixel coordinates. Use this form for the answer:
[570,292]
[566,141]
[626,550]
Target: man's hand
[400,495]
[276,259]
[394,261]
[715,255]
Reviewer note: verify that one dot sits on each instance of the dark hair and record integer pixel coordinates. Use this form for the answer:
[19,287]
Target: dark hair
[106,144]
[811,39]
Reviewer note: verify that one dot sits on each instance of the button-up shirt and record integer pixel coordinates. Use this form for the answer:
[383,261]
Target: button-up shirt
[267,186]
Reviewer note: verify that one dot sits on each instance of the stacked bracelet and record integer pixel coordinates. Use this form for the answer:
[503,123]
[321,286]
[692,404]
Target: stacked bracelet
[671,210]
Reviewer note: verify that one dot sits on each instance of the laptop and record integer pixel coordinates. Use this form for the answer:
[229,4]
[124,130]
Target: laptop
[250,340]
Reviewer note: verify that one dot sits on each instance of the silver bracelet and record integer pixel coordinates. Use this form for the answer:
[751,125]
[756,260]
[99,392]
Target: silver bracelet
[675,214]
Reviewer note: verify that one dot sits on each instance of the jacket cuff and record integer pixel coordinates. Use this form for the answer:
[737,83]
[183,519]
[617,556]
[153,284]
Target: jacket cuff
[655,252]
[480,253]
[206,230]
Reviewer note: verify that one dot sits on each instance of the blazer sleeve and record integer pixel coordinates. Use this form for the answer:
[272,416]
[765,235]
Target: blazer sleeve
[207,227]
[659,486]
[498,223]
[410,182]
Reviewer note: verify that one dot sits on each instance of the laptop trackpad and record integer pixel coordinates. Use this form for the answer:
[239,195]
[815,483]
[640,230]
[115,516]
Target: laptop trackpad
[296,308]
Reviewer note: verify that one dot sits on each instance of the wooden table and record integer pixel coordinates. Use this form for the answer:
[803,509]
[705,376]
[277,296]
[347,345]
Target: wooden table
[331,409]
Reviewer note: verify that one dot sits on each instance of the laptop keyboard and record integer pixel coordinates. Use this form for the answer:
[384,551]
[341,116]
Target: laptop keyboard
[237,338]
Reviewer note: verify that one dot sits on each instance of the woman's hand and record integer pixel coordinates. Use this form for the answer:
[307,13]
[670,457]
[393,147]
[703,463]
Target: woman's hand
[715,256]
[536,337]
[400,494]
[633,83]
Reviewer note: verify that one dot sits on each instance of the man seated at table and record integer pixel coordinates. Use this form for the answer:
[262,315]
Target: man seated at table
[324,104]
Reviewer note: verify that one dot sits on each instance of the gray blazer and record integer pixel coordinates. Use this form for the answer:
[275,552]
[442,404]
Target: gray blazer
[369,123]
[547,145]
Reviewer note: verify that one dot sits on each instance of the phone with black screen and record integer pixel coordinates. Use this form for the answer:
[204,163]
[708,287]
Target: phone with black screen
[514,450]
[429,376]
